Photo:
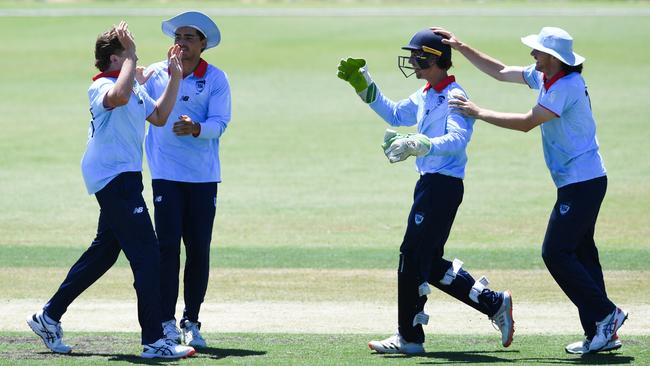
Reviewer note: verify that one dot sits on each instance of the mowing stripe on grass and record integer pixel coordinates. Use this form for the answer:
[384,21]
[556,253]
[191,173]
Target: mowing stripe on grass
[313,285]
[333,257]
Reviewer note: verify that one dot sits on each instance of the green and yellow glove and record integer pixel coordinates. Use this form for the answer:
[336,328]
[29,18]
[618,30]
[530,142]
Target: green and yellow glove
[398,147]
[355,72]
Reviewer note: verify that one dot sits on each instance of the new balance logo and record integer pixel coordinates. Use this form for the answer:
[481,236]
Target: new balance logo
[138,210]
[158,199]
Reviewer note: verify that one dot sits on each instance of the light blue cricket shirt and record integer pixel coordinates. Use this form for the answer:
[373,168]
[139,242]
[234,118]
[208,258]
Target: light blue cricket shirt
[205,97]
[115,135]
[569,141]
[448,130]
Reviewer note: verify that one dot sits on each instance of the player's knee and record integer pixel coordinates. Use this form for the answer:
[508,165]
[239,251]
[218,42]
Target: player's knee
[551,254]
[451,272]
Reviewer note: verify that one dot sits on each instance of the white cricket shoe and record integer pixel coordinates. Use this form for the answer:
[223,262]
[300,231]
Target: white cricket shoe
[606,329]
[503,319]
[171,331]
[396,344]
[192,334]
[166,348]
[582,347]
[51,334]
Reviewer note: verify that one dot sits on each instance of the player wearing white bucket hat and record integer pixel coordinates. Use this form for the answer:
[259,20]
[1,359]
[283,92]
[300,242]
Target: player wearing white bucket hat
[185,169]
[556,42]
[563,113]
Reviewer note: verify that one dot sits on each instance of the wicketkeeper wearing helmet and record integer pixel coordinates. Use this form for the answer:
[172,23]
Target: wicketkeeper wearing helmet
[439,147]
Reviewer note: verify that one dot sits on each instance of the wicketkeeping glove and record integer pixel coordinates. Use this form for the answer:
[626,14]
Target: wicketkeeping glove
[355,72]
[401,147]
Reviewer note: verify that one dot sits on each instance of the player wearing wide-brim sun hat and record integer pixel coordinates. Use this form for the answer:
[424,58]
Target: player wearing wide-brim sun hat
[196,20]
[556,42]
[563,113]
[185,169]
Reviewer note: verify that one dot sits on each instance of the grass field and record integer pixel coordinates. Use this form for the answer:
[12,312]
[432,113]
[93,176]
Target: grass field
[310,212]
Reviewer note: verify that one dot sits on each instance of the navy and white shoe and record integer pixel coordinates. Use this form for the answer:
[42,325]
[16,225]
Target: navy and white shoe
[166,348]
[606,329]
[50,333]
[192,334]
[396,344]
[503,320]
[582,347]
[171,331]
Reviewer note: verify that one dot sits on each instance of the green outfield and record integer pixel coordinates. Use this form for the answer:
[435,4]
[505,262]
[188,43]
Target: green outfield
[310,211]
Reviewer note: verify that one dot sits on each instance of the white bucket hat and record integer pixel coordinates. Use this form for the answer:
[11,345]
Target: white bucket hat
[556,42]
[196,20]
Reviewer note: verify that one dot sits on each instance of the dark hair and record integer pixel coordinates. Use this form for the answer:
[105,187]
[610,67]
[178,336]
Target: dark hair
[201,37]
[569,69]
[107,44]
[444,63]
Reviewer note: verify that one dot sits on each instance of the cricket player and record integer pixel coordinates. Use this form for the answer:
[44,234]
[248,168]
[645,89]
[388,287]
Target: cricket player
[183,158]
[564,116]
[111,168]
[439,146]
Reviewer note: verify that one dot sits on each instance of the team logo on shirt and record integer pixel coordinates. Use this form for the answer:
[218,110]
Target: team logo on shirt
[564,208]
[138,210]
[200,85]
[441,99]
[419,218]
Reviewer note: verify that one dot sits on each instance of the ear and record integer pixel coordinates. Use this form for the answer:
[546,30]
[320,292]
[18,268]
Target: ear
[114,59]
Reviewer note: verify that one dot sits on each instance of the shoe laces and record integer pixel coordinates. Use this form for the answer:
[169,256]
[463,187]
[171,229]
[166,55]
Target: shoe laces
[58,330]
[193,328]
[498,321]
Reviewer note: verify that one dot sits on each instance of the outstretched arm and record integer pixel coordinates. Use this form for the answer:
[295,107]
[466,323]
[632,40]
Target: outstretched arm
[514,121]
[482,61]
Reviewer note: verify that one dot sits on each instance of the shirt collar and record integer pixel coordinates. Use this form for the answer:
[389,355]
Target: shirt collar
[200,70]
[107,74]
[441,85]
[556,77]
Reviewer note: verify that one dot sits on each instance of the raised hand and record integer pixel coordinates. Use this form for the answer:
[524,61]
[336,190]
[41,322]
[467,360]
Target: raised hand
[355,72]
[350,71]
[448,37]
[126,38]
[141,76]
[175,64]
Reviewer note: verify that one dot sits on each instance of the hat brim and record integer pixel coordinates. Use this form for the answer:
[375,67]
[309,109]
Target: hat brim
[196,20]
[572,59]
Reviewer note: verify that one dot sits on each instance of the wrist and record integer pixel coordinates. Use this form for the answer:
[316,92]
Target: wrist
[196,129]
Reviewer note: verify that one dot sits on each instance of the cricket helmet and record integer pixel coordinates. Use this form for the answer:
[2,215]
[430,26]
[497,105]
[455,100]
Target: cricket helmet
[426,49]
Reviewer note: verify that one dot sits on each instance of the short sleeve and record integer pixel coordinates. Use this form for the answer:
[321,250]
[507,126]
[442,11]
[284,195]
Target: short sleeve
[533,78]
[555,99]
[96,94]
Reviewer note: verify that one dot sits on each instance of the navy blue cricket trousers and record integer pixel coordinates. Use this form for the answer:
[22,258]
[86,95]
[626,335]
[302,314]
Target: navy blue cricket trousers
[435,202]
[184,210]
[124,224]
[570,253]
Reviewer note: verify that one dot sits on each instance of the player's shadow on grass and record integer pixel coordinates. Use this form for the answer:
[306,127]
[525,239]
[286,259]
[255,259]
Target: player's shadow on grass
[588,359]
[462,357]
[203,353]
[219,353]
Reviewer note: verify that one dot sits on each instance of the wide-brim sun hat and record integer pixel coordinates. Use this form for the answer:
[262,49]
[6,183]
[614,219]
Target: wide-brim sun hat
[556,42]
[196,20]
